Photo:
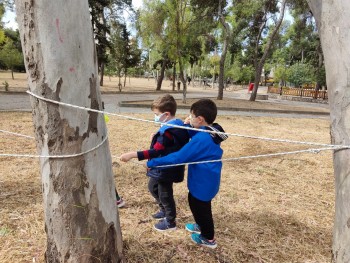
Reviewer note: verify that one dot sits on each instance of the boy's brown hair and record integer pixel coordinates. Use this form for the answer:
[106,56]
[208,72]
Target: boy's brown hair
[165,103]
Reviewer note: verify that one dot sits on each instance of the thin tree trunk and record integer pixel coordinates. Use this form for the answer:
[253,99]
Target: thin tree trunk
[224,52]
[102,73]
[161,76]
[81,219]
[174,75]
[333,22]
[183,80]
[260,64]
[12,74]
[124,78]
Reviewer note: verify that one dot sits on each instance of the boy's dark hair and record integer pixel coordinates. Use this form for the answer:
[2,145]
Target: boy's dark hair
[205,108]
[165,103]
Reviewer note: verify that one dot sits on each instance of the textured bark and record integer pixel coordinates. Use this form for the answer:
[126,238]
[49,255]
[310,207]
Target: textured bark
[333,23]
[161,75]
[81,219]
[183,80]
[102,68]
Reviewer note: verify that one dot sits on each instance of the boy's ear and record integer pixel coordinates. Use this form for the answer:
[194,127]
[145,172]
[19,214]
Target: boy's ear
[201,119]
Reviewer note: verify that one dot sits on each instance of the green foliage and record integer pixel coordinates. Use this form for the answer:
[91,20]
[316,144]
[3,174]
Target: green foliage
[124,51]
[280,73]
[10,56]
[2,37]
[6,85]
[300,73]
[320,76]
[240,73]
[102,20]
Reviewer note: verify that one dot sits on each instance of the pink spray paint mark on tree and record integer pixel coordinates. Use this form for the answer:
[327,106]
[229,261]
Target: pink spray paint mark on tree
[71,69]
[58,30]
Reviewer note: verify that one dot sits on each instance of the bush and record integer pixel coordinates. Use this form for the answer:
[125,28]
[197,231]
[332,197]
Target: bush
[6,85]
[300,73]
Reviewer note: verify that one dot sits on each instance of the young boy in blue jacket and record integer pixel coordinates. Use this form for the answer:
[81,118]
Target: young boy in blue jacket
[204,178]
[167,140]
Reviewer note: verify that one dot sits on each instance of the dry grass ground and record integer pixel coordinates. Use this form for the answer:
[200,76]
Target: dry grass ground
[267,210]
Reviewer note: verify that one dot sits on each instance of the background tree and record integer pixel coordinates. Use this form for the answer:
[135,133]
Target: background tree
[227,32]
[10,56]
[81,219]
[152,26]
[299,74]
[119,50]
[259,62]
[103,13]
[333,22]
[101,29]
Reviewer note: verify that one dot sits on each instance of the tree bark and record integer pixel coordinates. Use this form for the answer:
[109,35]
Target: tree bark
[81,219]
[174,75]
[183,80]
[161,76]
[333,23]
[125,72]
[259,66]
[102,73]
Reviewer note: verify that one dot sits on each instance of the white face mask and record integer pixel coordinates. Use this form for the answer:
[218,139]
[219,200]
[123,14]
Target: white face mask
[157,117]
[191,119]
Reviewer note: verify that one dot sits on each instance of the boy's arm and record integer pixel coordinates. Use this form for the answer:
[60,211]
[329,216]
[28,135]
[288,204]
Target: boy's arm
[127,156]
[163,141]
[188,153]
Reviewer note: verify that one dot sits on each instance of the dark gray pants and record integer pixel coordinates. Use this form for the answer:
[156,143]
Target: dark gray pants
[163,193]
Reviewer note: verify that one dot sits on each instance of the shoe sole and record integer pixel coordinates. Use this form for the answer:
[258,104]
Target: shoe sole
[158,219]
[205,245]
[121,205]
[192,231]
[163,230]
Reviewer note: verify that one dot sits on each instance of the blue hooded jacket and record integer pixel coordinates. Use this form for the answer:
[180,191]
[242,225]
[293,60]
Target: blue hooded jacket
[203,180]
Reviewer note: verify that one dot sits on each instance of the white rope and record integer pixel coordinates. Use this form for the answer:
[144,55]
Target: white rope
[179,126]
[317,150]
[17,134]
[54,156]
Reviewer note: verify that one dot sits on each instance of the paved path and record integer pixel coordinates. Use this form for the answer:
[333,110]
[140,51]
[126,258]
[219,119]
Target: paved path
[21,102]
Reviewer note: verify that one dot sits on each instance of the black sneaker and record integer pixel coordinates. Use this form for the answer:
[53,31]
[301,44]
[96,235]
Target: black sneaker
[165,225]
[159,215]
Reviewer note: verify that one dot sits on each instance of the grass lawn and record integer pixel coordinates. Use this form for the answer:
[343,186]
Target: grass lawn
[268,210]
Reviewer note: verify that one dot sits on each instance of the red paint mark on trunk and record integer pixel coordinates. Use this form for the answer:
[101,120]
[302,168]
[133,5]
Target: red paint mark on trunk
[58,30]
[72,69]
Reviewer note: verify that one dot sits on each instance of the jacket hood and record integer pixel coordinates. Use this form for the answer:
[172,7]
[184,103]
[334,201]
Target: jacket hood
[217,137]
[163,127]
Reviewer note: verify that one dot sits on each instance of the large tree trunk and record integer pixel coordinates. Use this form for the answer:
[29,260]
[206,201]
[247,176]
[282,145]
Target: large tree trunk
[227,32]
[81,218]
[333,22]
[259,66]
